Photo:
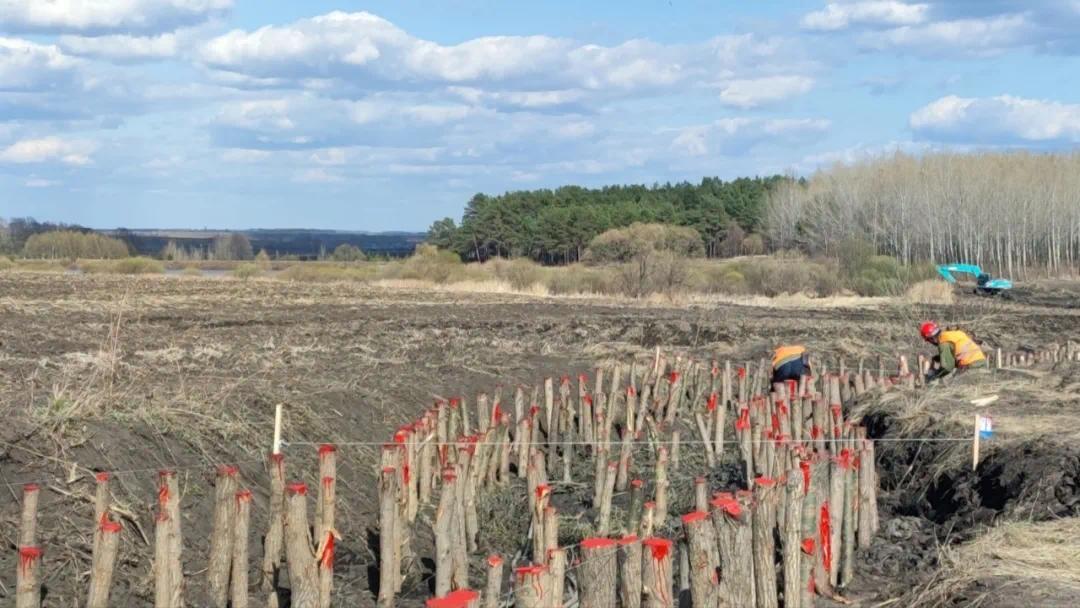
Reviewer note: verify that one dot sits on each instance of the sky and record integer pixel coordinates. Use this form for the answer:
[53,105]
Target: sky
[390,115]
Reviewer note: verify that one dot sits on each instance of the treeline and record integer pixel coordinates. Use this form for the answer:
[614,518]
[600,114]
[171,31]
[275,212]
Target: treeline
[1009,212]
[555,226]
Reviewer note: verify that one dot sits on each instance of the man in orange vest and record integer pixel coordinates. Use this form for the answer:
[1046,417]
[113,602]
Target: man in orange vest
[956,350]
[790,362]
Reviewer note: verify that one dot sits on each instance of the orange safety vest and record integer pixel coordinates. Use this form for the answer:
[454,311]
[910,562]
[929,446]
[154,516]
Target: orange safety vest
[787,354]
[964,348]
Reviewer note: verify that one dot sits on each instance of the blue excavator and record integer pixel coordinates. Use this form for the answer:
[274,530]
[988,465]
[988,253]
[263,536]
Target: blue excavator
[985,285]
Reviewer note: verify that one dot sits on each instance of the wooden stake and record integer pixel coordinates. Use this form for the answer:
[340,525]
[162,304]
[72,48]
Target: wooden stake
[974,447]
[704,558]
[556,576]
[163,591]
[764,521]
[28,521]
[221,538]
[276,447]
[101,503]
[493,591]
[241,525]
[551,531]
[274,542]
[444,533]
[836,519]
[658,585]
[851,496]
[598,572]
[169,503]
[107,542]
[28,580]
[661,488]
[792,540]
[701,494]
[630,571]
[637,504]
[529,587]
[325,524]
[303,575]
[462,598]
[604,523]
[867,508]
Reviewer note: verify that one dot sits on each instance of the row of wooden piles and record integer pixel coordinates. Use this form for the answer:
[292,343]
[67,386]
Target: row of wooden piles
[811,501]
[308,552]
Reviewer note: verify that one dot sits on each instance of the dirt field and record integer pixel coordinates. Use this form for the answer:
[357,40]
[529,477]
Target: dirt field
[136,374]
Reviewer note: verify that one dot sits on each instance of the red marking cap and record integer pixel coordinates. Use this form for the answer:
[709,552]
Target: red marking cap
[637,483]
[694,516]
[297,489]
[495,561]
[660,547]
[227,470]
[30,488]
[243,496]
[534,570]
[30,553]
[765,482]
[629,539]
[327,448]
[455,599]
[277,458]
[109,527]
[163,473]
[102,476]
[597,542]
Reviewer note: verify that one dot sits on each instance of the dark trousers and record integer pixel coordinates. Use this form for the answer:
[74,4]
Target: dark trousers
[792,370]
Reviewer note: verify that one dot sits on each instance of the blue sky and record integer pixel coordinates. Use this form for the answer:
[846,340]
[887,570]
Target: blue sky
[389,115]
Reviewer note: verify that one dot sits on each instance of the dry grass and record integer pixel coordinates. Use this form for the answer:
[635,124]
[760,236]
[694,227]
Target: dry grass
[1045,550]
[932,291]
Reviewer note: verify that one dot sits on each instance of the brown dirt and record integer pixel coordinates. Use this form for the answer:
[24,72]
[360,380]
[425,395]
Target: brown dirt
[136,374]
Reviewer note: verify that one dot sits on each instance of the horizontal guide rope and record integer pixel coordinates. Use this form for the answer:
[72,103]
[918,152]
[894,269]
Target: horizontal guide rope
[617,442]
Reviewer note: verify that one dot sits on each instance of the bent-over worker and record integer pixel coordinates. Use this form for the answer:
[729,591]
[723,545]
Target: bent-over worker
[956,350]
[790,362]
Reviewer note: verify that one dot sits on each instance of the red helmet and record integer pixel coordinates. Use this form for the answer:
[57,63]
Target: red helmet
[929,329]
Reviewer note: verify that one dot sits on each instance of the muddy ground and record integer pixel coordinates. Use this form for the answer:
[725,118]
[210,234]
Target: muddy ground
[136,374]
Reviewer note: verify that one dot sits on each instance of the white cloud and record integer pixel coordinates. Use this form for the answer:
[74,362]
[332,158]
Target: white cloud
[751,93]
[28,66]
[121,47]
[979,36]
[317,176]
[363,50]
[71,152]
[838,16]
[729,136]
[38,182]
[99,16]
[243,155]
[1004,119]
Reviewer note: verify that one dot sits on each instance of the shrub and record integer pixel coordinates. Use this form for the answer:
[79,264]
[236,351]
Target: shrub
[430,263]
[6,263]
[262,260]
[520,273]
[191,271]
[732,281]
[753,245]
[138,265]
[246,271]
[347,253]
[650,256]
[580,279]
[770,276]
[315,272]
[73,245]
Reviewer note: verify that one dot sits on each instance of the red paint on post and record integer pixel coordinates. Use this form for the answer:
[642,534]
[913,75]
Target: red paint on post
[597,542]
[804,465]
[227,470]
[298,489]
[629,539]
[764,482]
[659,548]
[637,483]
[109,527]
[243,496]
[455,599]
[713,400]
[326,448]
[808,546]
[27,557]
[824,537]
[102,476]
[327,481]
[326,560]
[743,423]
[694,516]
[30,488]
[495,561]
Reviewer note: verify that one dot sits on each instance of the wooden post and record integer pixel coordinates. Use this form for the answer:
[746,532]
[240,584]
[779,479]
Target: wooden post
[701,494]
[820,526]
[745,435]
[630,571]
[28,579]
[974,450]
[388,537]
[101,502]
[648,520]
[599,572]
[494,582]
[794,490]
[836,519]
[28,521]
[867,508]
[661,489]
[274,542]
[276,447]
[675,449]
[325,523]
[241,525]
[106,544]
[221,538]
[604,523]
[303,575]
[732,522]
[600,455]
[529,587]
[556,576]
[543,495]
[169,503]
[163,596]
[622,477]
[851,496]
[658,585]
[764,521]
[637,504]
[808,528]
[704,558]
[551,531]
[445,517]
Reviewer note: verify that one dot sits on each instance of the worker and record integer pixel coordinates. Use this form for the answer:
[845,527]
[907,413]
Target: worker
[790,362]
[956,350]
